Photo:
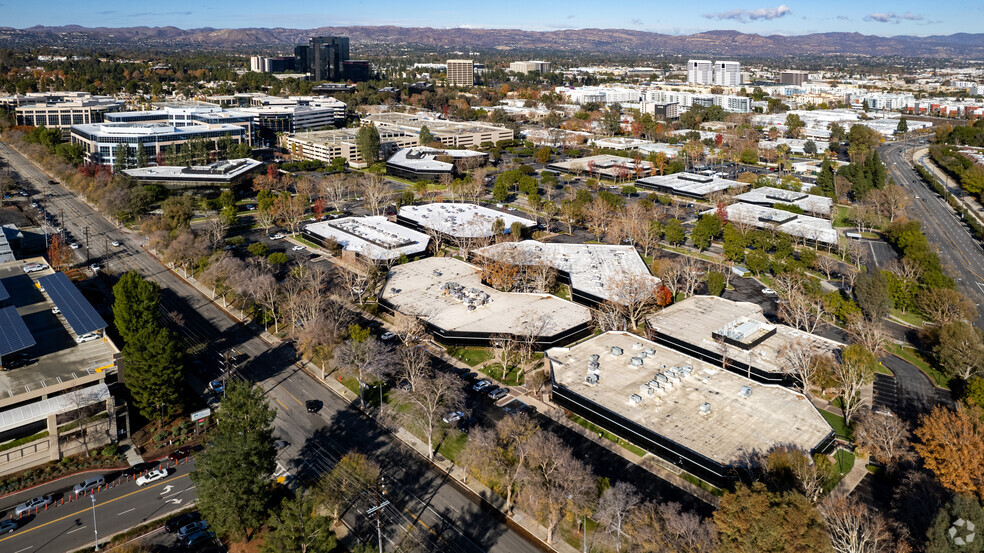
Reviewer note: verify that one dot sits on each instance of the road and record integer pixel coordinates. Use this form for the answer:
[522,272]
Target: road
[422,496]
[959,251]
[69,526]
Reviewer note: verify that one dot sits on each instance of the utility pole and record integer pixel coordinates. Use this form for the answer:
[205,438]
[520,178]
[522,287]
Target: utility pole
[86,229]
[94,529]
[378,510]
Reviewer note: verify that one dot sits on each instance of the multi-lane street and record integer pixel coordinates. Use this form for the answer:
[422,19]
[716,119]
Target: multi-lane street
[960,252]
[420,496]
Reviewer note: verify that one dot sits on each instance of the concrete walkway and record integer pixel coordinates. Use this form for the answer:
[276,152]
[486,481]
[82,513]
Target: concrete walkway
[130,451]
[852,478]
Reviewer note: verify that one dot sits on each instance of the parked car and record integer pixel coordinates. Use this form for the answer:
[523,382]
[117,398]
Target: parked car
[152,476]
[34,267]
[181,453]
[173,524]
[75,245]
[85,337]
[199,539]
[95,268]
[280,444]
[88,485]
[115,244]
[216,386]
[481,385]
[466,423]
[297,248]
[192,528]
[454,416]
[387,336]
[313,405]
[32,504]
[768,291]
[277,236]
[137,469]
[498,393]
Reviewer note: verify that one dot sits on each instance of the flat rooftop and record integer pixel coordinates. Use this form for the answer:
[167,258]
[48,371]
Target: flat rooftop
[769,195]
[220,170]
[689,184]
[449,294]
[438,127]
[605,164]
[460,220]
[345,135]
[697,319]
[593,268]
[425,159]
[769,416]
[800,226]
[372,237]
[56,357]
[107,130]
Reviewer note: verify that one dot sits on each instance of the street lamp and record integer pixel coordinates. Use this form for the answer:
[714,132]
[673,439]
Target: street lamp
[95,530]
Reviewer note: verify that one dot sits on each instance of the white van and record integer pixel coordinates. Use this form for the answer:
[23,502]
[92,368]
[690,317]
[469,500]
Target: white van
[89,485]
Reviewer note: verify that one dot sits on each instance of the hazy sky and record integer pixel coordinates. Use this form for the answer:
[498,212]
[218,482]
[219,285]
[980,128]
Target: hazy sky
[879,17]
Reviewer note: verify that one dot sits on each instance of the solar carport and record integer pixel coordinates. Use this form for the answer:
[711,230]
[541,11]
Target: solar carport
[79,313]
[14,335]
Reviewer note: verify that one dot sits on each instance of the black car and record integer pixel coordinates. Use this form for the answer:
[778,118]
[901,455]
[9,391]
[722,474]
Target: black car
[138,469]
[466,423]
[313,405]
[174,523]
[8,525]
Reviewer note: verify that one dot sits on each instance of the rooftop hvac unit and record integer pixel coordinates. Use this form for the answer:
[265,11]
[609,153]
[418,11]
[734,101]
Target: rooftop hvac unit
[645,389]
[594,366]
[637,345]
[661,378]
[636,361]
[745,392]
[591,379]
[616,351]
[650,352]
[705,409]
[594,357]
[635,399]
[643,354]
[686,370]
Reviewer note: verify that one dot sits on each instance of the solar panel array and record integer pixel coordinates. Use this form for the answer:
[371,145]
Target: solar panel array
[4,295]
[14,335]
[79,313]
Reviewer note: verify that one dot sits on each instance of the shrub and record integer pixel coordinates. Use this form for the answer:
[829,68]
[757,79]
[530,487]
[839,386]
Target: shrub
[258,249]
[112,450]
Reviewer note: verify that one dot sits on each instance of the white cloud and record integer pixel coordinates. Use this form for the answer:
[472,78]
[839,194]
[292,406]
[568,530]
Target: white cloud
[744,16]
[892,17]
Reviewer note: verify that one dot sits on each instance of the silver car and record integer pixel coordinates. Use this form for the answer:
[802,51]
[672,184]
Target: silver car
[32,504]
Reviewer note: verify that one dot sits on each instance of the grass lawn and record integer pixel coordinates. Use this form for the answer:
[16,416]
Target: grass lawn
[844,460]
[511,378]
[837,423]
[562,291]
[914,357]
[307,243]
[352,383]
[608,435]
[842,220]
[909,317]
[701,484]
[452,444]
[470,356]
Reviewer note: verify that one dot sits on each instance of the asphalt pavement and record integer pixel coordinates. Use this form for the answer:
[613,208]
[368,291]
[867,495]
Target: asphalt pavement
[430,502]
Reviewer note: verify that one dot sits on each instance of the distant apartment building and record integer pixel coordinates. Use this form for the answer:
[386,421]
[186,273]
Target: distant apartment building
[461,72]
[794,77]
[528,66]
[323,57]
[600,94]
[665,111]
[721,73]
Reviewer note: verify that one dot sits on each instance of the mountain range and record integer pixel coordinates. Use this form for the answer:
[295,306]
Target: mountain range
[606,41]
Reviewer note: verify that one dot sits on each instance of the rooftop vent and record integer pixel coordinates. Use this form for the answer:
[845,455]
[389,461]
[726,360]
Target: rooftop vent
[745,392]
[636,362]
[594,357]
[705,409]
[635,399]
[616,351]
[591,379]
[661,378]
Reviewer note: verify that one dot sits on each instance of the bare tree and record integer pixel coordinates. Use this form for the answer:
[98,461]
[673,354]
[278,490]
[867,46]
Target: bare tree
[214,231]
[670,273]
[599,215]
[503,345]
[375,192]
[505,450]
[290,211]
[359,285]
[870,334]
[415,366]
[798,308]
[853,527]
[84,403]
[610,316]
[408,327]
[560,483]
[370,358]
[885,436]
[428,402]
[634,294]
[614,509]
[825,264]
[348,479]
[336,189]
[851,377]
[857,252]
[692,274]
[801,360]
[905,268]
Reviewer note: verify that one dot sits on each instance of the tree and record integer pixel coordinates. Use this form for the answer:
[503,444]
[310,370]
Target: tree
[504,450]
[951,445]
[136,304]
[425,137]
[902,127]
[612,120]
[715,283]
[854,527]
[153,371]
[367,355]
[754,520]
[233,474]
[427,403]
[298,528]
[415,366]
[802,360]
[884,436]
[944,305]
[177,212]
[276,259]
[706,229]
[367,143]
[871,292]
[375,192]
[353,474]
[60,253]
[962,519]
[959,349]
[121,157]
[825,180]
[614,509]
[635,296]
[673,232]
[810,148]
[855,370]
[561,485]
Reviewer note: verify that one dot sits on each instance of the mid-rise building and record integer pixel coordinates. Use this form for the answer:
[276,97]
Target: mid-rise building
[278,64]
[61,112]
[666,111]
[528,66]
[700,72]
[100,140]
[224,174]
[180,115]
[461,72]
[451,134]
[323,57]
[328,145]
[727,73]
[794,77]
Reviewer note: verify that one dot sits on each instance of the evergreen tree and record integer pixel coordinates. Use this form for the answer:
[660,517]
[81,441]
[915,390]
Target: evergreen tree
[964,516]
[367,143]
[142,158]
[425,136]
[903,126]
[121,157]
[152,371]
[136,304]
[233,474]
[825,180]
[298,528]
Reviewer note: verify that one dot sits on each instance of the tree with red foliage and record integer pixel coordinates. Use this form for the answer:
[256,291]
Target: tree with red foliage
[59,253]
[319,207]
[591,168]
[159,158]
[718,140]
[663,296]
[722,213]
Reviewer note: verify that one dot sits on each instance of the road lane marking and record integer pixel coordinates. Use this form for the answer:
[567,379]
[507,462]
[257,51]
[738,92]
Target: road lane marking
[25,549]
[282,404]
[77,529]
[32,529]
[295,399]
[126,511]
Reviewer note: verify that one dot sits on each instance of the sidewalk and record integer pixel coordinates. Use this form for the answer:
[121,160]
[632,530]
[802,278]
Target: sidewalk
[967,201]
[852,478]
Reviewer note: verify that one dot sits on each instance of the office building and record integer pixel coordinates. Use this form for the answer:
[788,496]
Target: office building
[688,185]
[616,168]
[369,239]
[529,66]
[357,71]
[688,412]
[451,134]
[458,221]
[184,114]
[667,111]
[425,163]
[810,230]
[768,196]
[461,72]
[62,111]
[700,72]
[794,77]
[100,140]
[323,57]
[226,174]
[279,64]
[727,73]
[458,309]
[341,143]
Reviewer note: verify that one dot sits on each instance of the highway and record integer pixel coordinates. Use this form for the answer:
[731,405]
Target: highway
[420,496]
[962,255]
[67,526]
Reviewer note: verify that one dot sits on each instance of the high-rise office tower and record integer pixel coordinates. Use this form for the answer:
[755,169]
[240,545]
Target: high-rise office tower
[323,57]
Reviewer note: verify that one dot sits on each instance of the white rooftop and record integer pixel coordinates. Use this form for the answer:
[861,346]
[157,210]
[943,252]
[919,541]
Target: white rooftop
[422,288]
[695,321]
[769,416]
[593,268]
[226,169]
[690,184]
[373,237]
[460,220]
[801,226]
[422,158]
[39,410]
[769,195]
[604,164]
[150,129]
